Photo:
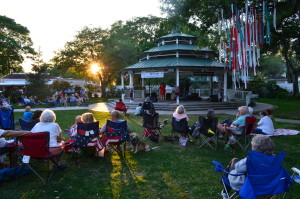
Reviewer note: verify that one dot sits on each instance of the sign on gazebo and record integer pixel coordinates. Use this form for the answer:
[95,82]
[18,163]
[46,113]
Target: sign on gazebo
[152,74]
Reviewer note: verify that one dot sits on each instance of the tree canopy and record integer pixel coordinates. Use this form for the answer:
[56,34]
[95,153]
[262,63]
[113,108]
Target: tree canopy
[15,45]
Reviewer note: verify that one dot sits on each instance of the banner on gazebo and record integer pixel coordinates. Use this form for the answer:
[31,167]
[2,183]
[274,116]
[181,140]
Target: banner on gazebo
[152,74]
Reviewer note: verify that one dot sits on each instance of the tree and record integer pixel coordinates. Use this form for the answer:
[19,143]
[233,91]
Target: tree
[37,81]
[15,45]
[37,85]
[110,49]
[272,66]
[61,85]
[205,13]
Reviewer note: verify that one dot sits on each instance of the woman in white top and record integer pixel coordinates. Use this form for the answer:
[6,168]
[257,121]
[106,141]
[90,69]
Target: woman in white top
[265,125]
[47,124]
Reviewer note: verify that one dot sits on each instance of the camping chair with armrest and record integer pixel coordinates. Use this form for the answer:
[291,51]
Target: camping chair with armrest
[7,118]
[87,137]
[265,176]
[115,135]
[179,127]
[27,126]
[151,126]
[36,145]
[120,106]
[208,132]
[244,139]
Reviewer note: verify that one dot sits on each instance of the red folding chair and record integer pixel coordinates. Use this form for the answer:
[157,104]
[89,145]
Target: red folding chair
[120,106]
[36,145]
[244,139]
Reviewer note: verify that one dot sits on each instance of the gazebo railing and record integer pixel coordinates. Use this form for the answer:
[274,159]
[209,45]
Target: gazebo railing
[238,95]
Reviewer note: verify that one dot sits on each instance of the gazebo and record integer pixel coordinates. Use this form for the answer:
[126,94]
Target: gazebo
[176,54]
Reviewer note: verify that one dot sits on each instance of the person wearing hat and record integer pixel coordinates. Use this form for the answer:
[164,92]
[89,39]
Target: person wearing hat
[27,114]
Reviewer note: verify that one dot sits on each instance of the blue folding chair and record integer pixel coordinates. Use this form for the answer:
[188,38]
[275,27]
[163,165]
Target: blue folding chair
[27,126]
[265,176]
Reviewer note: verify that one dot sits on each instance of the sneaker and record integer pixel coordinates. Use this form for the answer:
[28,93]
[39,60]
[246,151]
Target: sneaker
[232,140]
[224,195]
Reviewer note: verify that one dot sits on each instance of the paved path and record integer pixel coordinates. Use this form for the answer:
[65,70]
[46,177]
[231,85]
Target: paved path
[104,108]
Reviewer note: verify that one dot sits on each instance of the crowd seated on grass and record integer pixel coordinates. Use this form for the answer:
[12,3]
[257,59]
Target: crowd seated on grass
[238,125]
[120,106]
[10,145]
[47,124]
[27,114]
[115,117]
[86,118]
[261,144]
[265,125]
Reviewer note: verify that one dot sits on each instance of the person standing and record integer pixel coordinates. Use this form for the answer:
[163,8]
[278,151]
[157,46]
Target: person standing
[162,92]
[131,92]
[186,89]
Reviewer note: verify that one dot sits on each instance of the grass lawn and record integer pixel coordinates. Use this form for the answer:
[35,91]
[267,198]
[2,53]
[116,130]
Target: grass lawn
[286,108]
[167,172]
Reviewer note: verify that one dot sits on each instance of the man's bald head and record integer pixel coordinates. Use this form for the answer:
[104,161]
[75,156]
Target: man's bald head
[115,115]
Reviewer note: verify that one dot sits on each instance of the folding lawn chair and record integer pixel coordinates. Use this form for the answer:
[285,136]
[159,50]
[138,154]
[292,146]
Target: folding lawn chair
[265,176]
[180,126]
[116,134]
[151,126]
[148,108]
[36,145]
[244,139]
[120,106]
[27,126]
[7,118]
[87,137]
[208,132]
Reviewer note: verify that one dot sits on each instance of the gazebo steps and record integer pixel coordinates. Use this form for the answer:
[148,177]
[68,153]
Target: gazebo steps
[189,105]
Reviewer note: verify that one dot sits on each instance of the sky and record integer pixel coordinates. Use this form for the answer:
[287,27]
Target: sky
[54,22]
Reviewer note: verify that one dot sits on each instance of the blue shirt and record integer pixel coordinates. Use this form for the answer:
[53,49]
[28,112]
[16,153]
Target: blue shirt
[241,121]
[27,116]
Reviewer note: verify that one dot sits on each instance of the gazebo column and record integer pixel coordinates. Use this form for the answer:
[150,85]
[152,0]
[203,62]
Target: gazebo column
[131,77]
[131,80]
[211,85]
[122,80]
[143,88]
[122,86]
[225,87]
[177,85]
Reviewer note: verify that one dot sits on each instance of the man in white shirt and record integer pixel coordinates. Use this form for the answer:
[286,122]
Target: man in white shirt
[265,125]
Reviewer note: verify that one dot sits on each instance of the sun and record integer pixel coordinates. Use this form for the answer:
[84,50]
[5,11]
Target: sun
[95,68]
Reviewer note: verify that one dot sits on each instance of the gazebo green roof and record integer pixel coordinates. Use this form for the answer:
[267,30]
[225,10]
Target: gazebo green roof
[175,47]
[175,34]
[174,62]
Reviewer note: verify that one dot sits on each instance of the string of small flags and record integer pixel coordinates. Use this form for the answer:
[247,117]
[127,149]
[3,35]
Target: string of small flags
[246,31]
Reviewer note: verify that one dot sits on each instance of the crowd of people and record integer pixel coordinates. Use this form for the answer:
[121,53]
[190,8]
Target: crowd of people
[229,128]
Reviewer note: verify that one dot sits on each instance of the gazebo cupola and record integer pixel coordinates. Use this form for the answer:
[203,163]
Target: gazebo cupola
[177,44]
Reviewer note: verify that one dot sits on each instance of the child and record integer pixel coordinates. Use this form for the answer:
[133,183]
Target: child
[27,114]
[138,110]
[73,129]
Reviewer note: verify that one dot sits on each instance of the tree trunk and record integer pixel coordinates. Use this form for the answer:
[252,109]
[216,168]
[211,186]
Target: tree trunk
[295,83]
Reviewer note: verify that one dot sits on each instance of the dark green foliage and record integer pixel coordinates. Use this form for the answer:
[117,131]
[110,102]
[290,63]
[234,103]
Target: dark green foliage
[61,85]
[15,44]
[37,86]
[264,88]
